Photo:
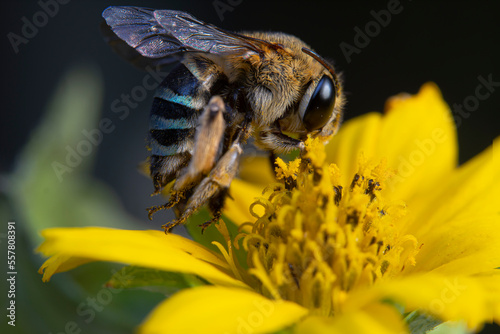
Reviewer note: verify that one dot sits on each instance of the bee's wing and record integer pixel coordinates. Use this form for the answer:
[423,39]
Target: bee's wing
[204,37]
[129,53]
[139,29]
[167,33]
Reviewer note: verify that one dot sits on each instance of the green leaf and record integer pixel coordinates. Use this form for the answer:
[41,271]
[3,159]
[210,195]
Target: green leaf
[51,185]
[36,196]
[153,280]
[450,328]
[212,234]
[420,323]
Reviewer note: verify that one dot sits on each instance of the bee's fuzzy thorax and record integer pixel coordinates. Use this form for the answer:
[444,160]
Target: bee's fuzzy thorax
[279,77]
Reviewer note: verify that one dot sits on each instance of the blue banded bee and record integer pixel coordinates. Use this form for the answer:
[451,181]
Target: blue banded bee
[225,88]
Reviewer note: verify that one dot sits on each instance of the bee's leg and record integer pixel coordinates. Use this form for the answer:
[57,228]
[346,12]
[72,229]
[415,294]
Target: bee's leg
[273,140]
[215,206]
[215,185]
[207,143]
[175,197]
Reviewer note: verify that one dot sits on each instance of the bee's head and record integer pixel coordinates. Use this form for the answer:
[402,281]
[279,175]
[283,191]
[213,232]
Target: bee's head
[320,107]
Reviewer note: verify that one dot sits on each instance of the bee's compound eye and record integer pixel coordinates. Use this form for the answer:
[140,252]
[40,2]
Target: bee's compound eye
[320,107]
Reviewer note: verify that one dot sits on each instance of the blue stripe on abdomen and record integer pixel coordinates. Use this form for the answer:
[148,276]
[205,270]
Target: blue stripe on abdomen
[157,122]
[182,87]
[174,114]
[189,101]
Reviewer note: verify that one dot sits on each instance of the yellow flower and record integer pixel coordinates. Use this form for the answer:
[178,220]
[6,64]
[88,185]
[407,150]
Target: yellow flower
[363,239]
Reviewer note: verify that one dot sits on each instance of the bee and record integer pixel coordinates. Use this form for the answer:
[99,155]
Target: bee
[225,88]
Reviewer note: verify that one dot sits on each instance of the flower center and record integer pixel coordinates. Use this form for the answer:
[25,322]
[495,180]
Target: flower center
[318,239]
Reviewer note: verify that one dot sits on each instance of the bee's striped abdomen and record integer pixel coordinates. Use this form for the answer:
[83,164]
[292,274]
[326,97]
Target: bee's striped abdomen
[178,102]
[175,112]
[171,127]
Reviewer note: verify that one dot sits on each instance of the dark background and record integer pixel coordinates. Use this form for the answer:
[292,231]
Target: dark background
[448,42]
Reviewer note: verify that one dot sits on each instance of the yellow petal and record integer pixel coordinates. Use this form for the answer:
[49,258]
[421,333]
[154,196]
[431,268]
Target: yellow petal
[59,263]
[461,247]
[375,319]
[218,310]
[419,139]
[474,299]
[416,136]
[151,249]
[496,152]
[459,223]
[470,192]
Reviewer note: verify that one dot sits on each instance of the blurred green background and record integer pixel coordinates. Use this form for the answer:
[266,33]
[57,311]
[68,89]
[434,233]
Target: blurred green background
[65,79]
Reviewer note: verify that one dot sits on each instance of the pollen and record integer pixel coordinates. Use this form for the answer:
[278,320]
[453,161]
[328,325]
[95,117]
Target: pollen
[318,239]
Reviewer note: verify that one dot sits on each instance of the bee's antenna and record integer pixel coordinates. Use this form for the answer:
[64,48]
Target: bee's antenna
[326,64]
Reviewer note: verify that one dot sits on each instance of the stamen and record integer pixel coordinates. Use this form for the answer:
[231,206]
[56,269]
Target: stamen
[229,253]
[259,272]
[315,239]
[229,259]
